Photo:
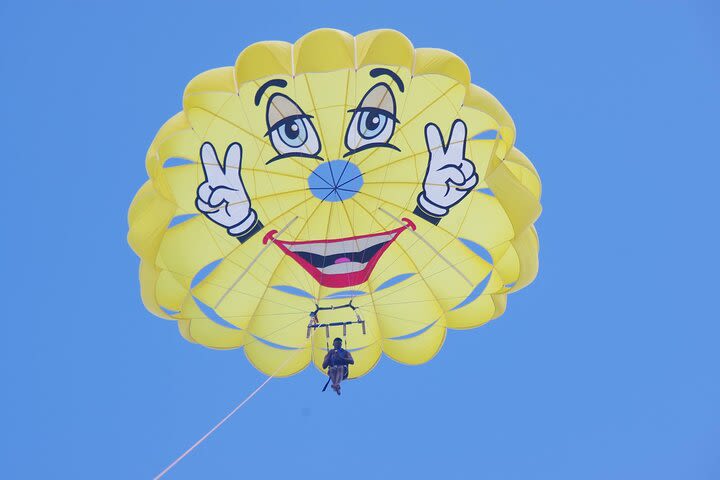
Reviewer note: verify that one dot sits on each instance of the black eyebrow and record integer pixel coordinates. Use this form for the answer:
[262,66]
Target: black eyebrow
[376,72]
[275,82]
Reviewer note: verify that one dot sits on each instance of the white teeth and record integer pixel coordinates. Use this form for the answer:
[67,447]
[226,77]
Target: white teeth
[339,268]
[346,246]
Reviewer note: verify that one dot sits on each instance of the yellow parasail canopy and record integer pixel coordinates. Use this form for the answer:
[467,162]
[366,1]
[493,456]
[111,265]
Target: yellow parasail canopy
[358,178]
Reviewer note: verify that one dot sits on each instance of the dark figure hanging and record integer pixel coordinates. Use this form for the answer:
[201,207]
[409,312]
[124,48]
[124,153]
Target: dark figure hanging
[337,361]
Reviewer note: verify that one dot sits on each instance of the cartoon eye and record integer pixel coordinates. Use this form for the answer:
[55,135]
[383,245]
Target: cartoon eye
[290,129]
[293,132]
[373,121]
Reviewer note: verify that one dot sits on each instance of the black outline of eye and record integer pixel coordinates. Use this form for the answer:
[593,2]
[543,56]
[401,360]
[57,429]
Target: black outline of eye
[359,110]
[282,122]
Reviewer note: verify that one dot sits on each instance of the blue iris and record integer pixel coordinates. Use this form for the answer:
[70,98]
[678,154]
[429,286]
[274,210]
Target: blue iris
[371,124]
[293,132]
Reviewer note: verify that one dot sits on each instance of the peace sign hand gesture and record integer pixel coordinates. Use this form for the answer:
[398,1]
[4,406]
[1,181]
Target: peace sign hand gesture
[449,176]
[222,196]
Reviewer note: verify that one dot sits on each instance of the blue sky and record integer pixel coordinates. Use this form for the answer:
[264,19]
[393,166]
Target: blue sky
[606,367]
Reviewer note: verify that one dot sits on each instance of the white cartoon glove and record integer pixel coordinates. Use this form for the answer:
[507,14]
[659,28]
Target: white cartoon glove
[222,196]
[450,176]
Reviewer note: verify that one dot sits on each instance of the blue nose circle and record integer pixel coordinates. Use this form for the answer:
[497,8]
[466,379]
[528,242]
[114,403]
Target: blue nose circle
[335,181]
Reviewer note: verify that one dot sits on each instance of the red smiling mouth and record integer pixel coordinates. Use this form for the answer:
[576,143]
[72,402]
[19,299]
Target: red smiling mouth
[340,262]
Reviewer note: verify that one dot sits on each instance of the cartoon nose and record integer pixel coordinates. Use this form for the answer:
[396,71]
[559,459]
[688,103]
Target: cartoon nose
[335,181]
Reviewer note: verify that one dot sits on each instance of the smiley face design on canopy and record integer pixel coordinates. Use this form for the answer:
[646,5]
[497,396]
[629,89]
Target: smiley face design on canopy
[343,177]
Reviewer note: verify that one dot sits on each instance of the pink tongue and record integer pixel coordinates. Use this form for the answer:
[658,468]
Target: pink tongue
[342,260]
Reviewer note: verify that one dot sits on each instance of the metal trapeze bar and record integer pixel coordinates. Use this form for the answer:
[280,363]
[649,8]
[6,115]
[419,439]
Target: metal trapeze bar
[333,307]
[315,323]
